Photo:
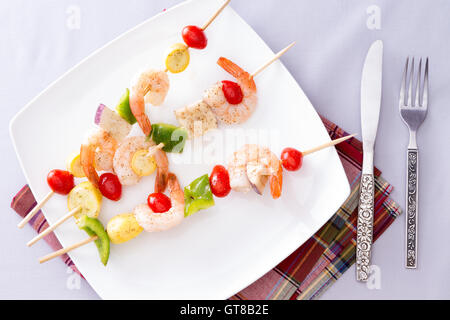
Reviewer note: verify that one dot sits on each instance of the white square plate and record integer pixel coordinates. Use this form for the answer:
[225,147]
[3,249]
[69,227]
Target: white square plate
[216,252]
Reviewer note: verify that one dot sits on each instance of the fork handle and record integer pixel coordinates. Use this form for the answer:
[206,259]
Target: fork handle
[412,209]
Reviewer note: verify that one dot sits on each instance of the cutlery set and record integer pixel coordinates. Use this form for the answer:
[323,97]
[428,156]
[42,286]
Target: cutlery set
[413,106]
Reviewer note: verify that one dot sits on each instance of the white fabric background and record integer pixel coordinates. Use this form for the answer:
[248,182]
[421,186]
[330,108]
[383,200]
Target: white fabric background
[41,39]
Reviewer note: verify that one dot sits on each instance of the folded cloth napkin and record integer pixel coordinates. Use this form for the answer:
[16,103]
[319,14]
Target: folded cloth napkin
[319,262]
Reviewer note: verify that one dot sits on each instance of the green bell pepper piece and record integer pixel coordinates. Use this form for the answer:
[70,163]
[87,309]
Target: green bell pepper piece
[123,108]
[172,136]
[94,227]
[197,196]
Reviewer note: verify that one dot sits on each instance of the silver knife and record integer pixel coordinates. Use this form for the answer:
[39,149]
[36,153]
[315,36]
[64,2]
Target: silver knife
[370,111]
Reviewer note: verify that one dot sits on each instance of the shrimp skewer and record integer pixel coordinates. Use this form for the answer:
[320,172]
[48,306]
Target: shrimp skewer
[253,165]
[202,116]
[153,221]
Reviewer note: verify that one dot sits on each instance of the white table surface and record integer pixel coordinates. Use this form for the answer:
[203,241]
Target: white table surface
[42,39]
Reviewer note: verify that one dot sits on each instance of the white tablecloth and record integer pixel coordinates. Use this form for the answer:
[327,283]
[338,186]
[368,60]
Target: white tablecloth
[40,40]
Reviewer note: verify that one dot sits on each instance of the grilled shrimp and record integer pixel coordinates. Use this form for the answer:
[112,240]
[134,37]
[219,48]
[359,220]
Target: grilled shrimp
[232,113]
[124,154]
[97,152]
[254,165]
[153,221]
[150,86]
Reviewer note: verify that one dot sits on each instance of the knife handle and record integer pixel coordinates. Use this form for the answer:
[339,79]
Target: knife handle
[364,230]
[412,209]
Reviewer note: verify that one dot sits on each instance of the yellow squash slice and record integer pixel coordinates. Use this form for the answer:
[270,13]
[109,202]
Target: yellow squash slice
[142,164]
[87,197]
[178,58]
[123,227]
[74,165]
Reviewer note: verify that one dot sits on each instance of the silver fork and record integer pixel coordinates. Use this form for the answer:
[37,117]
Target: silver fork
[413,113]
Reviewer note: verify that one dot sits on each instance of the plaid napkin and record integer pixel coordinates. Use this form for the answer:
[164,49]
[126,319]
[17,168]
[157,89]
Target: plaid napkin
[319,262]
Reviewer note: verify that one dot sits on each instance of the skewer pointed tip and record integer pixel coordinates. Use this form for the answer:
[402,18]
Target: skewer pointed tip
[211,19]
[290,46]
[328,144]
[274,58]
[284,50]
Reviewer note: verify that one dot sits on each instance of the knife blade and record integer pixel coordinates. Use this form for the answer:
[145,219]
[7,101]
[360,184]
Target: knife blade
[370,112]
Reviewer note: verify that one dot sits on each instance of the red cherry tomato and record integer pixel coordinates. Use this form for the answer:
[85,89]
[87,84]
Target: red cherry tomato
[194,37]
[232,92]
[159,202]
[219,181]
[291,159]
[110,186]
[60,181]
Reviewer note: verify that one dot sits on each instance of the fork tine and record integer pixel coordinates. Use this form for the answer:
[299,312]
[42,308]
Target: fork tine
[425,87]
[411,80]
[417,89]
[403,87]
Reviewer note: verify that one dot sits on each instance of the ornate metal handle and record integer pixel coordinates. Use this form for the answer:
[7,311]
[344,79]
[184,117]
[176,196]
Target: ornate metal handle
[412,207]
[365,227]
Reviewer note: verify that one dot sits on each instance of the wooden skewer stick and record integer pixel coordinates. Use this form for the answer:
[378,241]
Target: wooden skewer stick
[215,14]
[275,57]
[62,251]
[54,226]
[328,144]
[153,149]
[38,206]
